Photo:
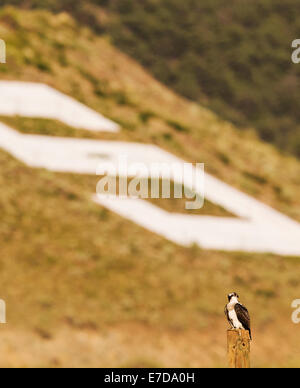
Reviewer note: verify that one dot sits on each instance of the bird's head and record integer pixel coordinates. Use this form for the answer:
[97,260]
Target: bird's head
[233,295]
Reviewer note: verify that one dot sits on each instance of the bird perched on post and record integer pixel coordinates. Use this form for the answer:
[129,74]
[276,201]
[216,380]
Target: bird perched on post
[237,314]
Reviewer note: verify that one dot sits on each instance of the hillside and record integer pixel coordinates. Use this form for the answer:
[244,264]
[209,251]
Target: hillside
[76,297]
[92,71]
[234,58]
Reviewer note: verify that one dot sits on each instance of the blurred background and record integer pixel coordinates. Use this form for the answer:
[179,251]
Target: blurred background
[208,81]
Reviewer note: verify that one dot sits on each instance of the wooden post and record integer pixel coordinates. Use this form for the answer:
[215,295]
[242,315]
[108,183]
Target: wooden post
[238,348]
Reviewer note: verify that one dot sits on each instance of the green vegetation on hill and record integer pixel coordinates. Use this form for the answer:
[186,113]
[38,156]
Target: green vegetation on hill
[234,57]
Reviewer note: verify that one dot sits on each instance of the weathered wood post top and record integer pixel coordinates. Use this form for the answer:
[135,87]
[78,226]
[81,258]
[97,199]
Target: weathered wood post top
[238,348]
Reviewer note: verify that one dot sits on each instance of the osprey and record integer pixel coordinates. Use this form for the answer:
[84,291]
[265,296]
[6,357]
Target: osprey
[237,314]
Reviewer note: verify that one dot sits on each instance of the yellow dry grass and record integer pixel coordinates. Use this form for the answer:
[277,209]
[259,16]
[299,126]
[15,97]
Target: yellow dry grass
[85,287]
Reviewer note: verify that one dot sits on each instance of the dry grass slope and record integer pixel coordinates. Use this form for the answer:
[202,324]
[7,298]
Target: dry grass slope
[54,49]
[75,297]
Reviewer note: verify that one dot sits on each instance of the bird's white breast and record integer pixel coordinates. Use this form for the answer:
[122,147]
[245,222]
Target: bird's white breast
[233,317]
[236,323]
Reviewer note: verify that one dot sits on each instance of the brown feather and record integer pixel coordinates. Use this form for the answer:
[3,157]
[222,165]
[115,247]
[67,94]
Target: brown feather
[244,317]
